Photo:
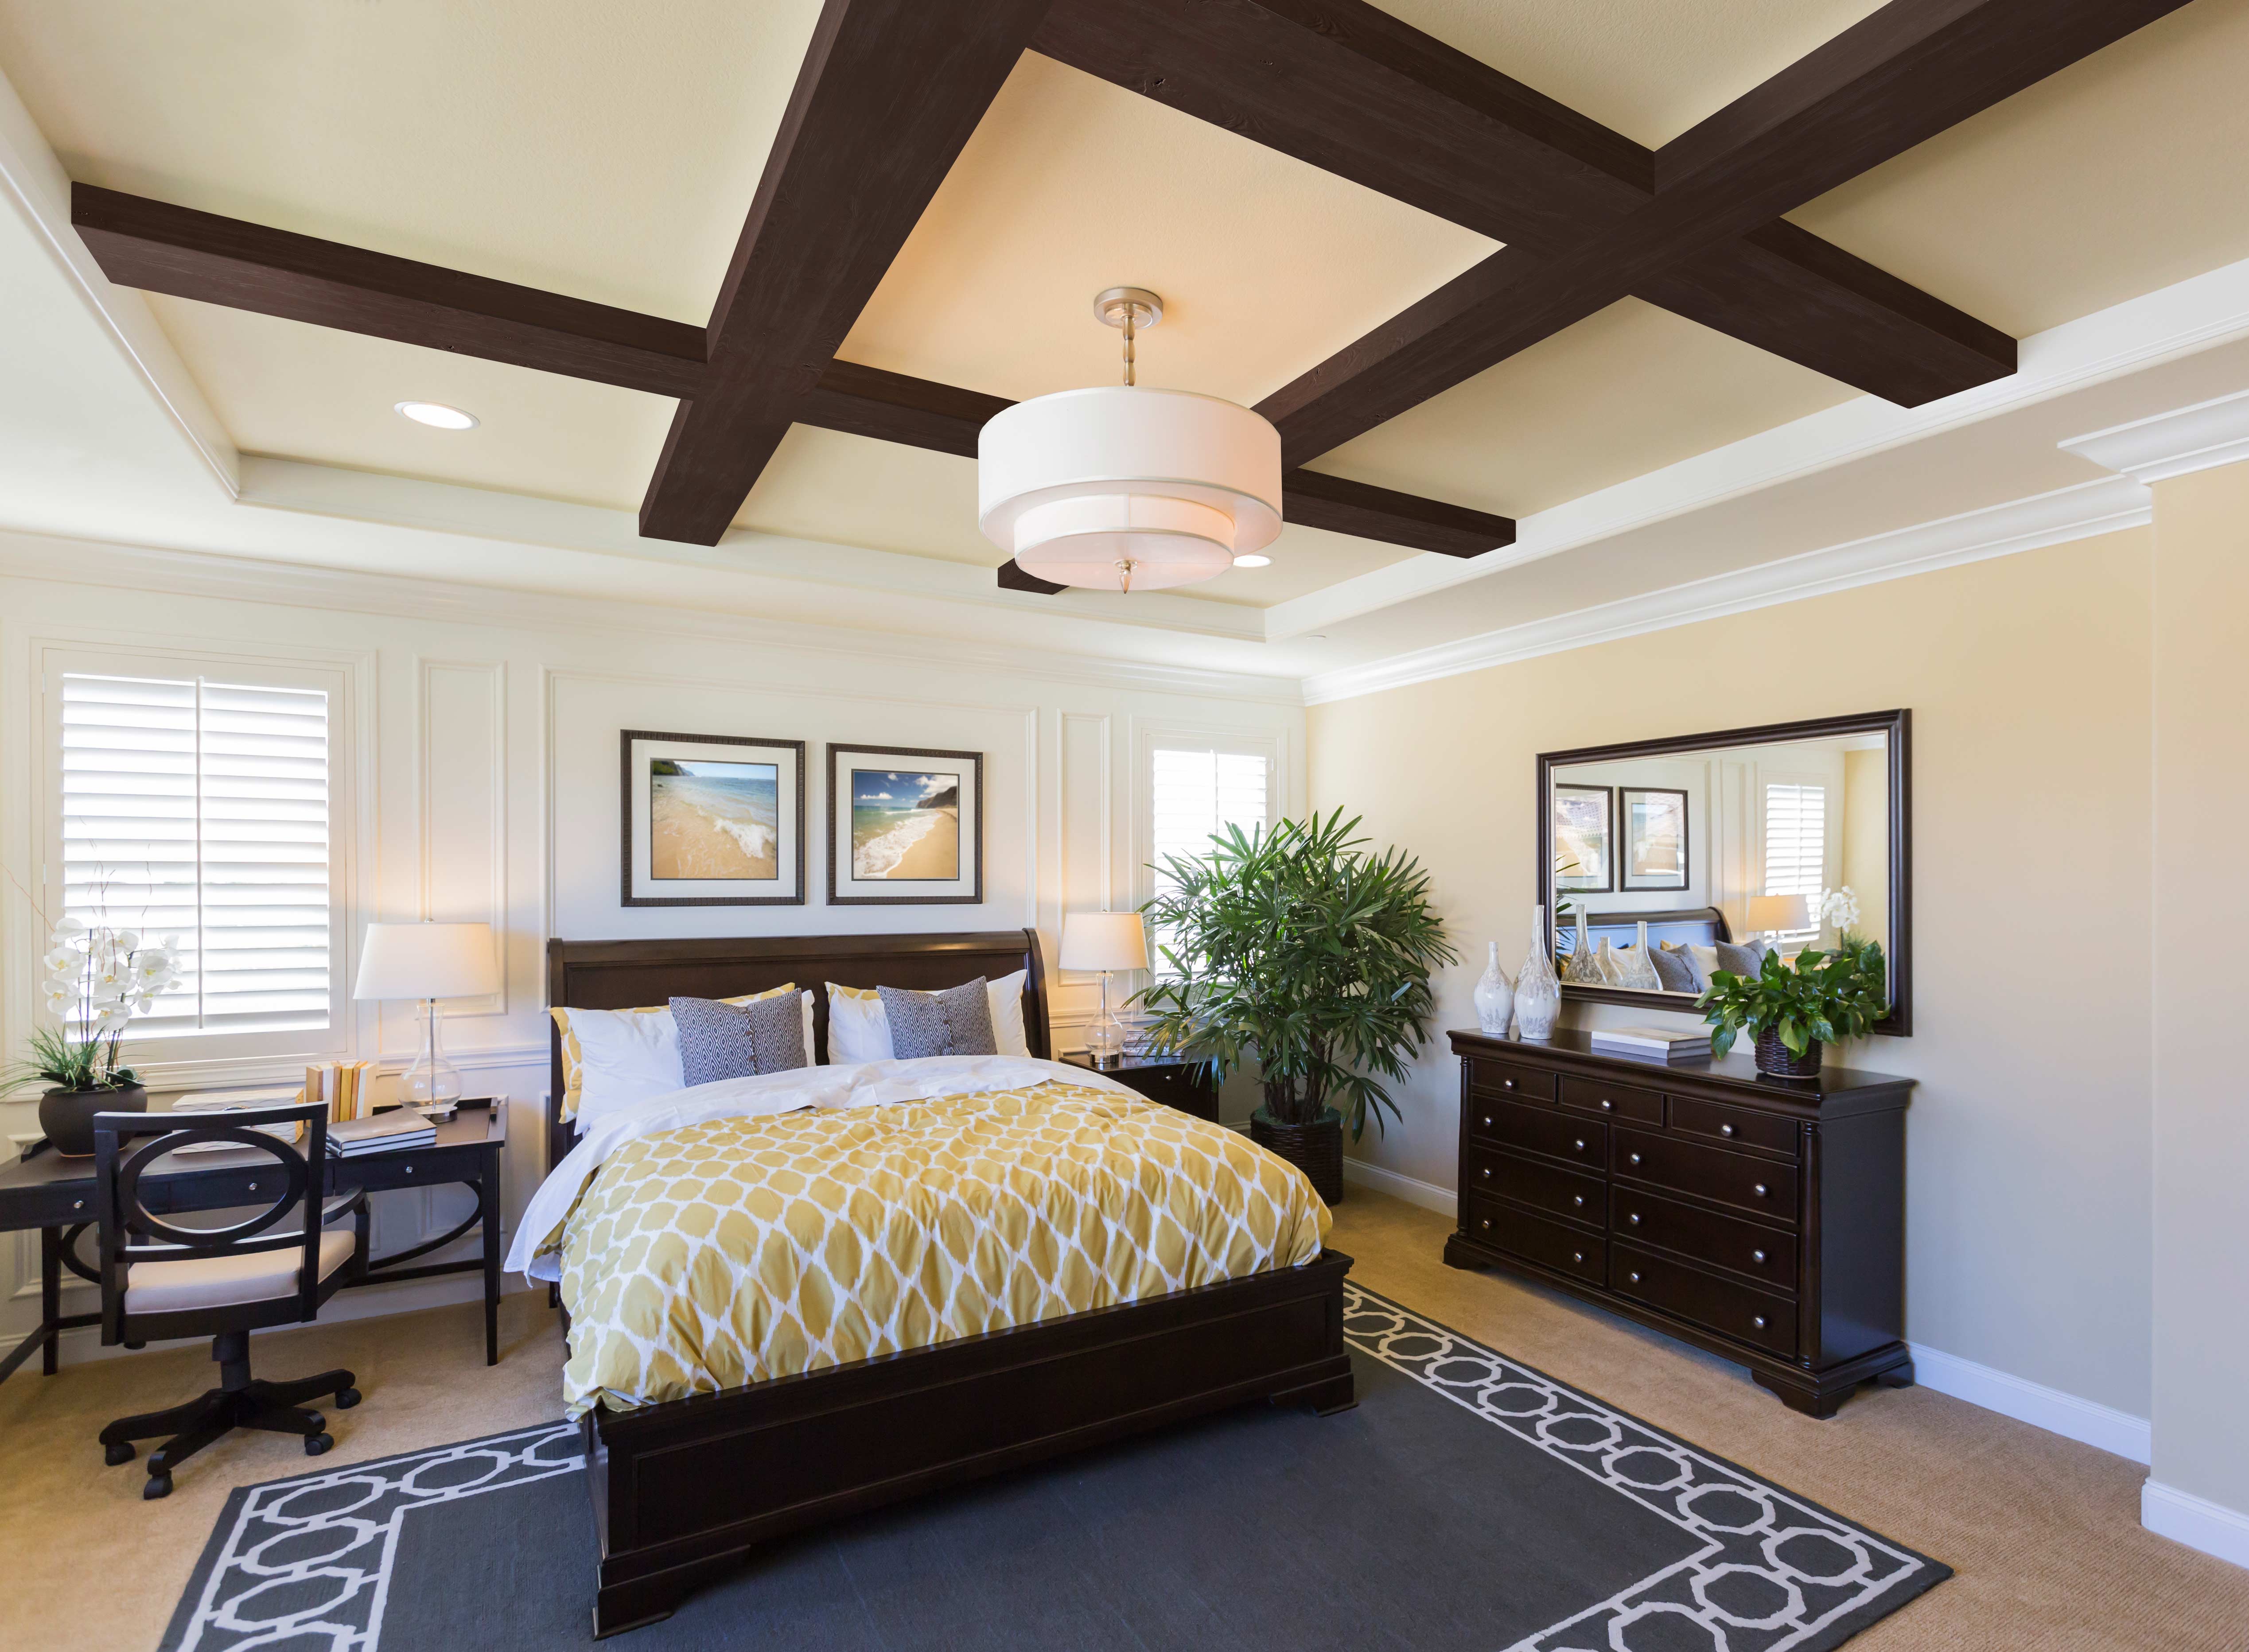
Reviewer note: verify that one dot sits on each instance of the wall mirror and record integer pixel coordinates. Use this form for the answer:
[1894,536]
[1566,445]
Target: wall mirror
[1653,854]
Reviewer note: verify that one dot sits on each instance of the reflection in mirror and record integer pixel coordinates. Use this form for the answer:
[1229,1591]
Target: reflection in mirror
[1670,860]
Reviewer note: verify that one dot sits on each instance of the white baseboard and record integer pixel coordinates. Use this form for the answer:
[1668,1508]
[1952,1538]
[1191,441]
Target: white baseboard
[2086,1421]
[2197,1522]
[1412,1189]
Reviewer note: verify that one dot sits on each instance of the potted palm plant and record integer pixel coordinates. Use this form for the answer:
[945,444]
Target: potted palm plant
[97,980]
[1297,947]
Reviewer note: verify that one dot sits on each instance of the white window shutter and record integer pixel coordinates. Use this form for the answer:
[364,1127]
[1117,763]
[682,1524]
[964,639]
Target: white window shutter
[1796,849]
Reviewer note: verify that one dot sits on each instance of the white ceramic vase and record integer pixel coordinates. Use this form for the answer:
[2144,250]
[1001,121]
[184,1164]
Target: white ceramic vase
[1537,994]
[1495,997]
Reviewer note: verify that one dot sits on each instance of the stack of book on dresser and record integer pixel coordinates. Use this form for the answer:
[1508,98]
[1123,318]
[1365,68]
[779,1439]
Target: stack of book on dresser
[1653,1043]
[381,1133]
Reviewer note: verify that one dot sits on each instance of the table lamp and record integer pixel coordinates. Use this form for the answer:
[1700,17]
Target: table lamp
[428,961]
[1104,941]
[1773,914]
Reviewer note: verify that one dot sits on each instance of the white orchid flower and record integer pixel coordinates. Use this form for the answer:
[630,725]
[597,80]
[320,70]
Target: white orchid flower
[127,939]
[67,927]
[61,959]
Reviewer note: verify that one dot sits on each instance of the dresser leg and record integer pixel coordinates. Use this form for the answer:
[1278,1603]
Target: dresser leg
[1897,1376]
[1459,1255]
[1808,1399]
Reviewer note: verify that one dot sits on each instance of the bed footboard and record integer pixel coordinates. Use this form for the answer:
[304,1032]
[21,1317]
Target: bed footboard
[683,1490]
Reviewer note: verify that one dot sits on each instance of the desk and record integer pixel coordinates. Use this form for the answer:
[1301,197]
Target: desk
[55,1194]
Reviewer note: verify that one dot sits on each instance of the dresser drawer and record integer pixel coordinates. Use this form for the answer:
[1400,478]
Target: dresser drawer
[1739,1126]
[1727,1242]
[1505,1079]
[1613,1101]
[1708,1172]
[1737,1310]
[1540,1130]
[1582,1256]
[1541,1186]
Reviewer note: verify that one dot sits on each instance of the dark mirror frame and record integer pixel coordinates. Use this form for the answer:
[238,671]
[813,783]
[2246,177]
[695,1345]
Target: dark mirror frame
[1896,725]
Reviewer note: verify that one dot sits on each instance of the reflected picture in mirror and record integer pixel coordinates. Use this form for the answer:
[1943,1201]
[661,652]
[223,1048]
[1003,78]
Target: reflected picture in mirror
[1704,838]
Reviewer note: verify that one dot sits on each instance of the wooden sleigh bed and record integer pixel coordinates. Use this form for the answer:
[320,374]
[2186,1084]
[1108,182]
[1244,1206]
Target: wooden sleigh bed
[683,1490]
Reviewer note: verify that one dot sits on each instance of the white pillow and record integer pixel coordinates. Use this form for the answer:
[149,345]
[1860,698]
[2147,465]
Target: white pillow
[627,1055]
[859,1030]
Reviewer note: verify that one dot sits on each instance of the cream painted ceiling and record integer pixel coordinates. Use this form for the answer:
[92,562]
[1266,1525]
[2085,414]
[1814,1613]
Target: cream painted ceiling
[609,150]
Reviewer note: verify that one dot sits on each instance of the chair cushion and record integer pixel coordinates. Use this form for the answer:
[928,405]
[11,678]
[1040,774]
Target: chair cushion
[258,1275]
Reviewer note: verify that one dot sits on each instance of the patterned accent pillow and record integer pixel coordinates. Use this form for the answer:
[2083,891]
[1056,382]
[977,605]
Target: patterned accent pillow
[956,1021]
[737,1041]
[1742,961]
[1674,970]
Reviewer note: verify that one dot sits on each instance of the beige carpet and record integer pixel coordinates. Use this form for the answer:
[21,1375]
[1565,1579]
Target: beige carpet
[2045,1534]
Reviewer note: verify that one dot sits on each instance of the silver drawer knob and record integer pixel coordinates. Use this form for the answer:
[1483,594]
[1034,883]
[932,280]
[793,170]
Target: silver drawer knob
[1577,1256]
[1755,1255]
[1581,1198]
[1487,1121]
[1581,1146]
[1487,1173]
[1635,1158]
[1635,1279]
[78,1205]
[1633,1219]
[253,1187]
[410,1170]
[1507,1084]
[1606,1103]
[1762,1190]
[1725,1130]
[1486,1222]
[1757,1320]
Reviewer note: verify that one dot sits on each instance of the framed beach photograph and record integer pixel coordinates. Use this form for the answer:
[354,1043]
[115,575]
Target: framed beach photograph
[1584,830]
[905,828]
[1654,836]
[712,820]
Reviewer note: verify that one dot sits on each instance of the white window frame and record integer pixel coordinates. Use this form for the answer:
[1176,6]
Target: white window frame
[1187,737]
[191,1059]
[1831,843]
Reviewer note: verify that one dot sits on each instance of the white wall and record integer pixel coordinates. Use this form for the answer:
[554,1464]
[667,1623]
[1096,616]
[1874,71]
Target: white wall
[487,757]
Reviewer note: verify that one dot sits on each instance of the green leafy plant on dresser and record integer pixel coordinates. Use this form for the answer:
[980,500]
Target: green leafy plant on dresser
[1298,946]
[1792,1009]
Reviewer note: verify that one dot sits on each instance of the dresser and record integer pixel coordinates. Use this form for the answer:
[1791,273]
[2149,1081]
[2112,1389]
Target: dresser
[1760,1219]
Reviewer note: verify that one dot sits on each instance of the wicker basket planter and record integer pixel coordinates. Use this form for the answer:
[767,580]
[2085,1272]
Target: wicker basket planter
[1315,1148]
[1774,1060]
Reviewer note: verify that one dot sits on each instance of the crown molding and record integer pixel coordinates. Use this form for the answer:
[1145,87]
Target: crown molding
[2174,443]
[299,585]
[2090,508]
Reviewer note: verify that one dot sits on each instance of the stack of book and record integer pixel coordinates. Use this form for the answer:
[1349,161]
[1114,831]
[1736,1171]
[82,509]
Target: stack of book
[211,1101]
[1649,1041]
[347,1086]
[382,1132]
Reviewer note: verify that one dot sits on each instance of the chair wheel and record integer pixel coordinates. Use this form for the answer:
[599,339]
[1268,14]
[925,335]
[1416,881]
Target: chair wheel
[346,1398]
[314,1444]
[121,1452]
[160,1485]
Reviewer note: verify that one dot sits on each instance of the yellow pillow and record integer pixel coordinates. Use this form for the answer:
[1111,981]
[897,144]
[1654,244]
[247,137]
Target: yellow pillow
[573,1077]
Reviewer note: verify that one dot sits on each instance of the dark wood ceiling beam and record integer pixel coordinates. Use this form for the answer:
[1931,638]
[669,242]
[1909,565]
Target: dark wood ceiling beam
[161,248]
[1902,75]
[889,93]
[1349,88]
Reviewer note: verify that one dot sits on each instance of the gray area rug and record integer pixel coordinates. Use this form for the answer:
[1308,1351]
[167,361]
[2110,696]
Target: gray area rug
[1469,1503]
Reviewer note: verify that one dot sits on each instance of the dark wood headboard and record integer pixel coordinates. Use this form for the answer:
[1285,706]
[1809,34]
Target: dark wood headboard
[630,974]
[1701,925]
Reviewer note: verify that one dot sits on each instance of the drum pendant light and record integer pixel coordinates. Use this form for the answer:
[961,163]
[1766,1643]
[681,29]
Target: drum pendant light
[1124,489]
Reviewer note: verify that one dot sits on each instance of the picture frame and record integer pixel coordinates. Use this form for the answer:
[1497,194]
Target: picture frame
[710,820]
[905,827]
[1584,831]
[1655,838]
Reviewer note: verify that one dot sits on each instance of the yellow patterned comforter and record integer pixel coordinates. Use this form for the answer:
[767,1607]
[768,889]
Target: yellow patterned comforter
[734,1248]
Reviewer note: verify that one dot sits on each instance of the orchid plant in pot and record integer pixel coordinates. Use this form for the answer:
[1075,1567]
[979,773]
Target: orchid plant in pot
[97,980]
[1794,1008]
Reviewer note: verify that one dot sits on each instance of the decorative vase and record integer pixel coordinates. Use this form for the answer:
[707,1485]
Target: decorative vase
[1584,965]
[1537,995]
[1630,966]
[67,1116]
[1495,997]
[1774,1060]
[1315,1148]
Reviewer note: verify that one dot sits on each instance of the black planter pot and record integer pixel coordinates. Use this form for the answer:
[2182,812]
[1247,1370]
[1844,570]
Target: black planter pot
[1315,1148]
[1774,1060]
[67,1116]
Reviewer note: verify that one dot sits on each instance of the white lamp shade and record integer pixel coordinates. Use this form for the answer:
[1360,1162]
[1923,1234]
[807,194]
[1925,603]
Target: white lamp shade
[1103,940]
[1178,484]
[427,960]
[1779,911]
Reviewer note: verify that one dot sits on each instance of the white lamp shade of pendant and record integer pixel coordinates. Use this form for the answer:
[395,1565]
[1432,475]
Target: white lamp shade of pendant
[1177,483]
[427,960]
[1103,940]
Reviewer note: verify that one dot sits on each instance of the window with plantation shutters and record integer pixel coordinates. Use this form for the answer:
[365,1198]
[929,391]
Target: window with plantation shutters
[1194,793]
[1796,851]
[197,807]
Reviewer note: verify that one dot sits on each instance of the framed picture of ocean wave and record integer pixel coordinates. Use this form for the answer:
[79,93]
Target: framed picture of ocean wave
[712,820]
[905,828]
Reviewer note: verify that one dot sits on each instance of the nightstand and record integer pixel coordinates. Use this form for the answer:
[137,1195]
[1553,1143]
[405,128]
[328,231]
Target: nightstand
[1183,1084]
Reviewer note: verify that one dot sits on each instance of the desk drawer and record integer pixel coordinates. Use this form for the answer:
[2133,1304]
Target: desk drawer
[1506,1078]
[1582,1256]
[1540,1130]
[1708,1172]
[1763,1254]
[1542,1187]
[1739,1126]
[1613,1101]
[1737,1310]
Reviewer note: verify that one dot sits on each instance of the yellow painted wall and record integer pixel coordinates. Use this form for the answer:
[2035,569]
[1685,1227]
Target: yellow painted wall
[2028,677]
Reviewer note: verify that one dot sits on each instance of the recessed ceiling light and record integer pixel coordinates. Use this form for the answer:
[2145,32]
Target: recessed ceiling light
[437,414]
[1250,558]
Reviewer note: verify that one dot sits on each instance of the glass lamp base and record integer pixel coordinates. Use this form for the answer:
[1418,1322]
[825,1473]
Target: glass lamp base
[431,1078]
[1104,1035]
